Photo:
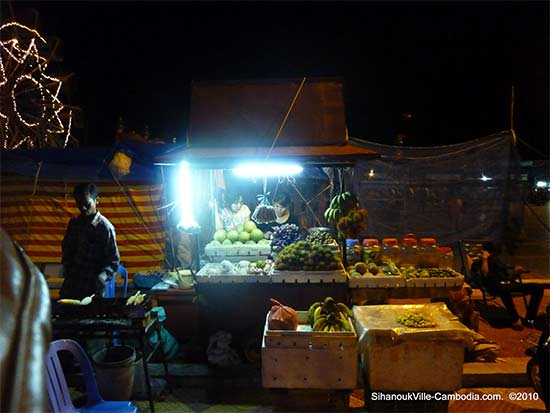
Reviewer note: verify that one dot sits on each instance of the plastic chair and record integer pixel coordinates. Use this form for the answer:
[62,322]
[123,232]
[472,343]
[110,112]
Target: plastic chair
[110,287]
[58,390]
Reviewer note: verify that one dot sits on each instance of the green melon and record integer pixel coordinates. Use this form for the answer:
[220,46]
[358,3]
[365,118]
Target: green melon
[249,226]
[256,235]
[220,235]
[244,236]
[233,235]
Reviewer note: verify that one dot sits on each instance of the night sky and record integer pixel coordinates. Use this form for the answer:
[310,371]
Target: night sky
[451,65]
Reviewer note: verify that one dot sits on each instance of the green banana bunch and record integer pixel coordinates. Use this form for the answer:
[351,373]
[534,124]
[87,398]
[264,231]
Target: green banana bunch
[340,205]
[329,315]
[311,311]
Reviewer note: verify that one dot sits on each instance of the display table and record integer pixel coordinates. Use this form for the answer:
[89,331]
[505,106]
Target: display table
[182,311]
[369,290]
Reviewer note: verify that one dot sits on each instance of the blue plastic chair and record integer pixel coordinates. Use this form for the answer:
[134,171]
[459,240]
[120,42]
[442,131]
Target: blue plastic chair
[58,390]
[110,287]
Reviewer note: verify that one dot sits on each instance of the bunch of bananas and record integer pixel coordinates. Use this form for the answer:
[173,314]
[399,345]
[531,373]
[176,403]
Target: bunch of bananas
[329,315]
[136,299]
[340,206]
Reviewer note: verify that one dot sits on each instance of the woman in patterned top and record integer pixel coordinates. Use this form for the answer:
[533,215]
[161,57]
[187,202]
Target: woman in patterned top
[231,211]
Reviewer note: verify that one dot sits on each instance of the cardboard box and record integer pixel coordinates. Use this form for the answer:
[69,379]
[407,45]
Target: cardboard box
[399,358]
[305,359]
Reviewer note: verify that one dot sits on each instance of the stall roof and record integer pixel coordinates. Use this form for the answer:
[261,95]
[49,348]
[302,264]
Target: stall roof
[229,157]
[280,119]
[299,112]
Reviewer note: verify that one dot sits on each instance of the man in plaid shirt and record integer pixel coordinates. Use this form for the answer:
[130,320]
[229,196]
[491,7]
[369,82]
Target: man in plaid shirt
[90,252]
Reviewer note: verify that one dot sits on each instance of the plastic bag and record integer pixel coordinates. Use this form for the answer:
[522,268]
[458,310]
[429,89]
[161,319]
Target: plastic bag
[282,317]
[219,351]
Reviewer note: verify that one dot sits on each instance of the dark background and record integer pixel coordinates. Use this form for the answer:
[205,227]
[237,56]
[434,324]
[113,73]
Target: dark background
[450,65]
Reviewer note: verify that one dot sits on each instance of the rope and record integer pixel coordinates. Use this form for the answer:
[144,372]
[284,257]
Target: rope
[170,233]
[307,204]
[536,216]
[533,148]
[29,222]
[286,117]
[136,211]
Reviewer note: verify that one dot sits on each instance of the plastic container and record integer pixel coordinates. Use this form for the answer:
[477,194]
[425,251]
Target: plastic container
[115,370]
[408,256]
[428,253]
[446,257]
[353,251]
[390,250]
[371,249]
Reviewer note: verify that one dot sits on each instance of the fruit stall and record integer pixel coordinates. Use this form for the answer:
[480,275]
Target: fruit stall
[307,276]
[237,271]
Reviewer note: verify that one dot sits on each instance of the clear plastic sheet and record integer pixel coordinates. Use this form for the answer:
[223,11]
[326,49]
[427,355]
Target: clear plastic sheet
[376,324]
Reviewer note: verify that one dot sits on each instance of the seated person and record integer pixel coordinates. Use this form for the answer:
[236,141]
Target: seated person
[500,283]
[282,206]
[231,212]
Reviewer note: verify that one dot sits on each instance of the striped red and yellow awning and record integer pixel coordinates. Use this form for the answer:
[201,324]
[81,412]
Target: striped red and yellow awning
[37,217]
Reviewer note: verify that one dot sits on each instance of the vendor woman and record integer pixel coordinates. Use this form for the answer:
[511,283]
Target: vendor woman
[231,212]
[282,206]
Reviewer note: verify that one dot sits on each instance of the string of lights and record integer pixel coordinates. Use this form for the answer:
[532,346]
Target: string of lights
[31,113]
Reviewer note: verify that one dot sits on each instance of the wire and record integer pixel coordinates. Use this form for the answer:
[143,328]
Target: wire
[286,117]
[533,148]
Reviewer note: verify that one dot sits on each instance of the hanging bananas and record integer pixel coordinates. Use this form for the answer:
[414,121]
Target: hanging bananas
[340,205]
[329,315]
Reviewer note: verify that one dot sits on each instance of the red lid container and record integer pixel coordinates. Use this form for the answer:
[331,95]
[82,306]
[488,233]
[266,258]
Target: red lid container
[369,242]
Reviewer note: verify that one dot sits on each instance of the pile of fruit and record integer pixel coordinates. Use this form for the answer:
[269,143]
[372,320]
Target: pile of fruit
[260,267]
[320,237]
[329,315]
[245,234]
[415,321]
[413,272]
[304,255]
[284,235]
[371,267]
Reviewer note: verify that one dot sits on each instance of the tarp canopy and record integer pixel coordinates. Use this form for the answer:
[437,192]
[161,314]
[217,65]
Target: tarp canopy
[89,163]
[36,200]
[470,190]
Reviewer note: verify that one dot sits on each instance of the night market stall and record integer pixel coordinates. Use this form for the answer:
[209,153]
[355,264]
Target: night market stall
[242,134]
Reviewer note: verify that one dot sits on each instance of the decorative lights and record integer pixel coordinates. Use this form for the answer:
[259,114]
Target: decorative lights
[31,114]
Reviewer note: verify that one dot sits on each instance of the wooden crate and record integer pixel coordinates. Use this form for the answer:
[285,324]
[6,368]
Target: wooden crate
[377,281]
[445,282]
[305,277]
[305,359]
[236,253]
